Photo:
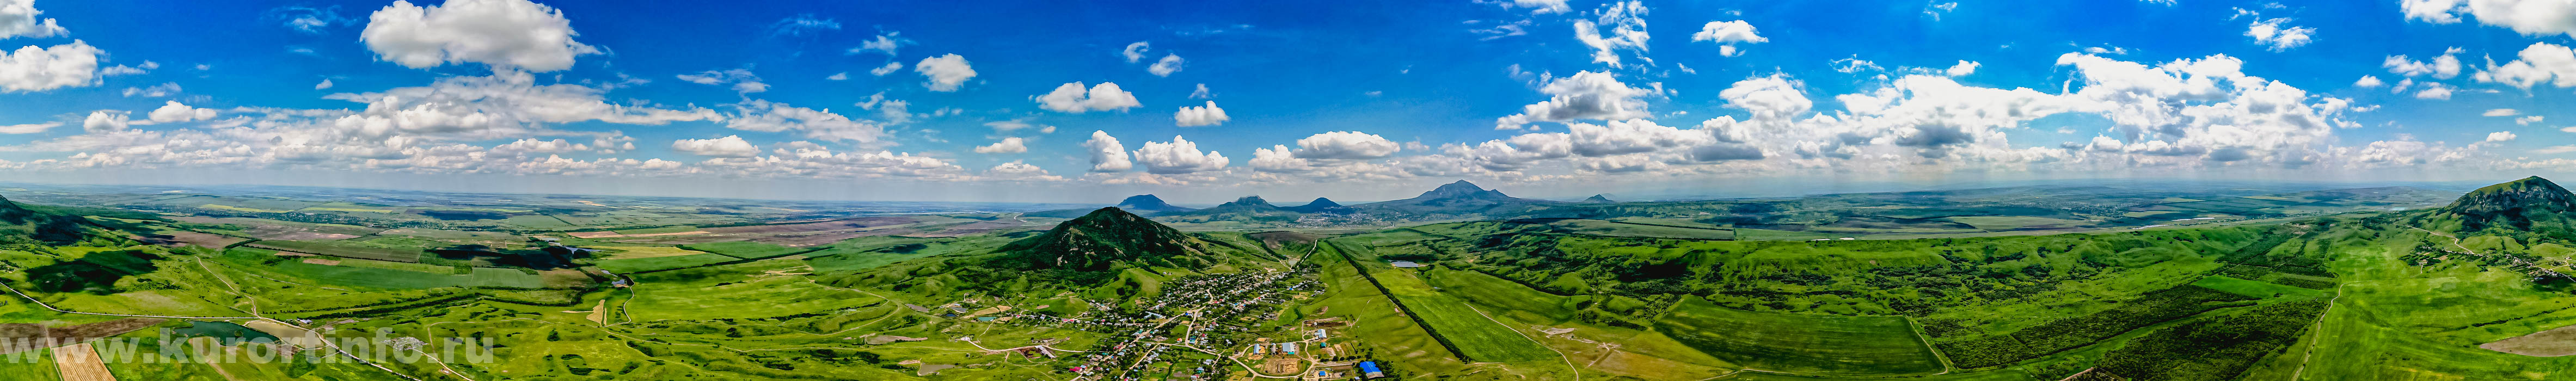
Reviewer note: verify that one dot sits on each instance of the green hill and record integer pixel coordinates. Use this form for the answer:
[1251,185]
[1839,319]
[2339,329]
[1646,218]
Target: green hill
[2530,206]
[1104,238]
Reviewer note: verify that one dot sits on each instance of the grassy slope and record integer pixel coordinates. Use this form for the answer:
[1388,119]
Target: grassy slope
[1802,343]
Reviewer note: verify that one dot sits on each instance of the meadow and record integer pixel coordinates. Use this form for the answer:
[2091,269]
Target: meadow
[1802,343]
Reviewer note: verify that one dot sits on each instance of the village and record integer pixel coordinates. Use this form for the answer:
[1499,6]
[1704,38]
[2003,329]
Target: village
[1203,328]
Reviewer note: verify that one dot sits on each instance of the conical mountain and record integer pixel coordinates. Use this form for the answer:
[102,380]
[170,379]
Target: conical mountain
[1143,204]
[1458,198]
[1104,238]
[2532,204]
[1599,199]
[1148,203]
[1246,209]
[1320,205]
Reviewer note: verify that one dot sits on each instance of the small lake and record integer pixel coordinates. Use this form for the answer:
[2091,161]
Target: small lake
[226,332]
[1405,264]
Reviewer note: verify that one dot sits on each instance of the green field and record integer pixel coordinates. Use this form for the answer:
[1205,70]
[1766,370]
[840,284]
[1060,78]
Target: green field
[1479,337]
[400,279]
[1802,343]
[342,250]
[744,249]
[635,265]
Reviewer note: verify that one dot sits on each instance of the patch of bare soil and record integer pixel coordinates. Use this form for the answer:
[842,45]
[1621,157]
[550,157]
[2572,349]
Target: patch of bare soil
[2556,342]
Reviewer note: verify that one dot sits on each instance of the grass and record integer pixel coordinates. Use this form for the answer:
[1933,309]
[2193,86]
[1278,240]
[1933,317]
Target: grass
[631,252]
[2251,288]
[727,292]
[343,251]
[404,266]
[1480,338]
[1397,340]
[401,279]
[635,265]
[744,249]
[1802,343]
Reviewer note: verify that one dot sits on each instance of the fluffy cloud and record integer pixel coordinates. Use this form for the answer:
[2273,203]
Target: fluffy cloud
[39,69]
[1107,155]
[2540,63]
[2529,17]
[2501,112]
[1774,97]
[2276,34]
[1202,93]
[1962,69]
[100,122]
[944,73]
[1180,156]
[2528,120]
[1007,145]
[767,116]
[1584,95]
[506,34]
[1207,115]
[2444,67]
[2367,81]
[889,68]
[728,146]
[325,85]
[1627,22]
[741,80]
[1171,63]
[1071,98]
[1345,145]
[506,103]
[173,112]
[18,19]
[1726,34]
[2500,136]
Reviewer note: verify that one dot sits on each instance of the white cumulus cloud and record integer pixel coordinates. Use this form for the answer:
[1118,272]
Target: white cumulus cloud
[944,73]
[1208,115]
[1179,156]
[728,146]
[506,34]
[1107,155]
[1072,98]
[1007,145]
[173,112]
[39,69]
[18,19]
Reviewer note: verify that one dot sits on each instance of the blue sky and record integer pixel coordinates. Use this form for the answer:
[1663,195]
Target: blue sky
[1352,100]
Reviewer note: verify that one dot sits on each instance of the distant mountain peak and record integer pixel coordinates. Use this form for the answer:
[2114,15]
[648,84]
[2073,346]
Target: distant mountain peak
[1320,205]
[1250,200]
[1599,199]
[1148,203]
[1460,189]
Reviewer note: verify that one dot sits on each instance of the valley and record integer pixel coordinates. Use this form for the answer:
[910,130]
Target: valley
[1459,283]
